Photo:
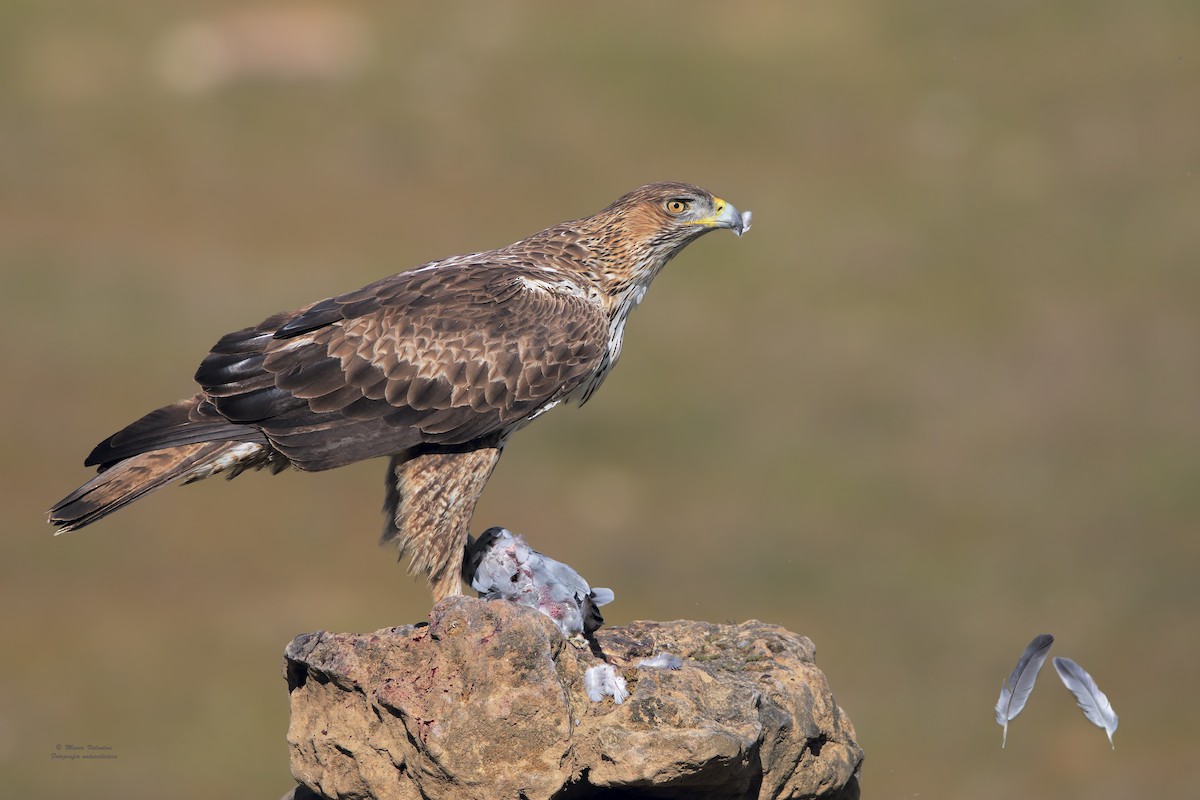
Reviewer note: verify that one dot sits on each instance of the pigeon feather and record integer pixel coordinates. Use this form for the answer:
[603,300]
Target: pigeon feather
[1014,692]
[662,660]
[1088,695]
[604,680]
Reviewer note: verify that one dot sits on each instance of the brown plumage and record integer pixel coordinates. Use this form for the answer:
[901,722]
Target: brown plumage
[434,367]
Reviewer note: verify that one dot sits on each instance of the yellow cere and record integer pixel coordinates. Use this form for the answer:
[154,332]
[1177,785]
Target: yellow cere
[718,207]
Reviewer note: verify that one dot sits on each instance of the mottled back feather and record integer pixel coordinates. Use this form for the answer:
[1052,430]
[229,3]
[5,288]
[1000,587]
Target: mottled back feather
[443,355]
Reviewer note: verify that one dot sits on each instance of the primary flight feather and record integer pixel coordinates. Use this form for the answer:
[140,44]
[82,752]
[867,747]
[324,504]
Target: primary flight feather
[1014,692]
[1094,703]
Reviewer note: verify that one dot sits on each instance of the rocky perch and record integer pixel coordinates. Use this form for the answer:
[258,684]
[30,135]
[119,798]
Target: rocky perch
[487,701]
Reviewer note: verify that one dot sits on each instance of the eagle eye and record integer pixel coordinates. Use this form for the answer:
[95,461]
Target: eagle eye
[678,205]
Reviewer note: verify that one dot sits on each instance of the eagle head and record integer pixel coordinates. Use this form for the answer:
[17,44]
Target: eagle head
[633,238]
[676,212]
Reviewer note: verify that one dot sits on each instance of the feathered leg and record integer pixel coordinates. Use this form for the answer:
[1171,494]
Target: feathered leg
[430,500]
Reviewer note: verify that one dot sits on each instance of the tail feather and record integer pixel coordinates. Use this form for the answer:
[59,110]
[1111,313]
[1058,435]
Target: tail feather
[129,479]
[187,422]
[185,441]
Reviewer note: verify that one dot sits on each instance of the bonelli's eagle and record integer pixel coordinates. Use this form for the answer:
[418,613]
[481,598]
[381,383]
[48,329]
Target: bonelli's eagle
[434,368]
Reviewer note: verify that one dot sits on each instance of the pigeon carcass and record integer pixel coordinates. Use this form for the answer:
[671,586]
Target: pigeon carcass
[500,565]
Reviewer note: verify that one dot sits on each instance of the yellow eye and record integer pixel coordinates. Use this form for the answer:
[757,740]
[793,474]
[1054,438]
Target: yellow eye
[678,206]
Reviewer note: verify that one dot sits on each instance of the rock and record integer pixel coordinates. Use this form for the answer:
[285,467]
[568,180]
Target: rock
[487,701]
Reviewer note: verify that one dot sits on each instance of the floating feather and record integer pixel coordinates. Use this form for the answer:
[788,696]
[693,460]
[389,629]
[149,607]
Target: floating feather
[1088,695]
[1014,692]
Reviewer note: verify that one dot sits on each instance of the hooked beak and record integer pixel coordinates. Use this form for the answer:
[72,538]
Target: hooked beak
[727,216]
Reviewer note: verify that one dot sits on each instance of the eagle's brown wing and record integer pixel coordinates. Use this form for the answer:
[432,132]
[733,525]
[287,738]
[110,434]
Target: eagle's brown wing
[448,354]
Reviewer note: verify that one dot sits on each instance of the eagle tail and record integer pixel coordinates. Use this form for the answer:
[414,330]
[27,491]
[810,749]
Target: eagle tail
[127,480]
[184,442]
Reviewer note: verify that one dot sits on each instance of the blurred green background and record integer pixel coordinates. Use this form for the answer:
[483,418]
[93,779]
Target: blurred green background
[943,398]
